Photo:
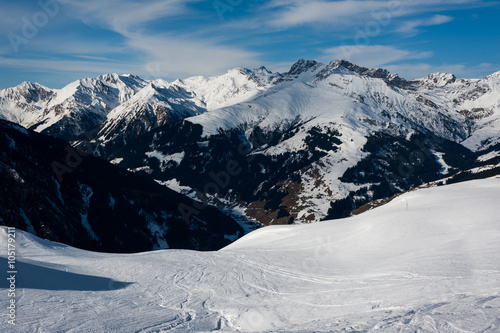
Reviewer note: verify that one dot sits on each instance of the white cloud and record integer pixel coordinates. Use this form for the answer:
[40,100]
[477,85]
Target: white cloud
[62,65]
[411,27]
[169,55]
[372,55]
[124,15]
[179,57]
[63,45]
[354,12]
[334,13]
[149,54]
[164,57]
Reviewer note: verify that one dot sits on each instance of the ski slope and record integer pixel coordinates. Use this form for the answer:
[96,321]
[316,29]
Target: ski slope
[428,261]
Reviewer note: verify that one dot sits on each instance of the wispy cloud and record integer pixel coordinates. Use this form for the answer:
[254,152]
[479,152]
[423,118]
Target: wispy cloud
[148,51]
[93,57]
[71,66]
[354,12]
[313,12]
[123,16]
[411,27]
[61,44]
[169,54]
[373,55]
[180,57]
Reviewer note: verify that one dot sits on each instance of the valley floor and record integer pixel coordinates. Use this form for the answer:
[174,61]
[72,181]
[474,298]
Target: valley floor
[428,261]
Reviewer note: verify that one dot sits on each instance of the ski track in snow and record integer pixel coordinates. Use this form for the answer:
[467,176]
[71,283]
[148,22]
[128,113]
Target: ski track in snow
[432,268]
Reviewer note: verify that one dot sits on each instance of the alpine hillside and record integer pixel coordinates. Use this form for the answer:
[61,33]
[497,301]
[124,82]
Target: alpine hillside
[62,194]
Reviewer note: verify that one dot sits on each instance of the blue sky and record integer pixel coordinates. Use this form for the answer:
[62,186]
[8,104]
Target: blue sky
[55,42]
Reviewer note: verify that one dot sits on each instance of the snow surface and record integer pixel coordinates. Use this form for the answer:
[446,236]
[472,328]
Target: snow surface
[235,86]
[428,261]
[488,156]
[177,157]
[445,168]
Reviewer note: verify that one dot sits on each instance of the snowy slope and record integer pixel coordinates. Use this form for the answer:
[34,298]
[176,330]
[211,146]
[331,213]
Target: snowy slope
[233,87]
[161,102]
[152,106]
[325,94]
[428,261]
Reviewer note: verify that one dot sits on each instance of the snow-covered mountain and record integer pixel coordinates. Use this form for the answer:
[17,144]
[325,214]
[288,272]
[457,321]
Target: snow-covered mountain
[478,101]
[317,141]
[84,104]
[24,103]
[161,102]
[151,107]
[428,261]
[109,102]
[346,94]
[68,112]
[320,134]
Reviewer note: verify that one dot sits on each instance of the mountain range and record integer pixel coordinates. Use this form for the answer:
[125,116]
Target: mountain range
[316,142]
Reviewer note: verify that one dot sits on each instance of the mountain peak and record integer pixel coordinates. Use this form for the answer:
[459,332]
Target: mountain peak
[112,78]
[496,74]
[341,66]
[262,70]
[373,72]
[341,63]
[154,88]
[32,92]
[31,86]
[436,80]
[26,84]
[302,66]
